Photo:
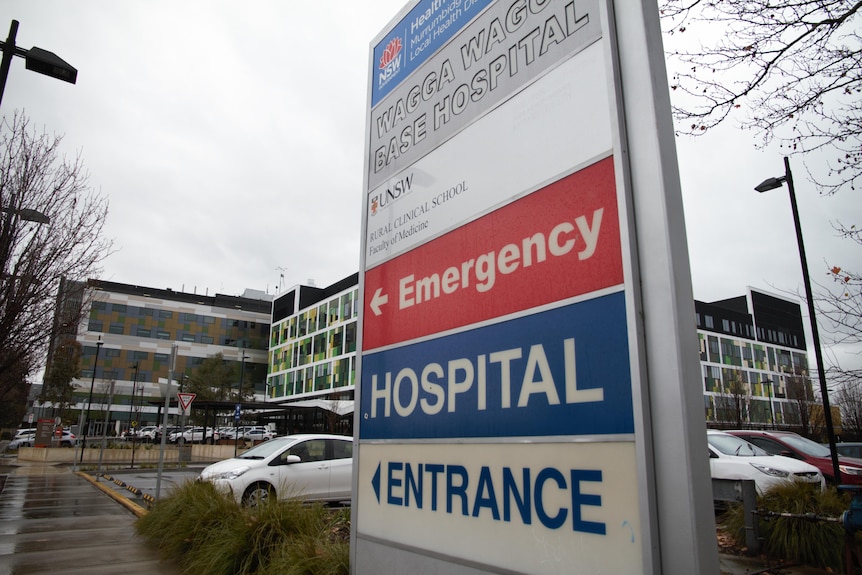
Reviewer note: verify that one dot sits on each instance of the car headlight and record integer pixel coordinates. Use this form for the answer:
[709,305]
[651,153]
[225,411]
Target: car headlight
[769,470]
[850,470]
[232,474]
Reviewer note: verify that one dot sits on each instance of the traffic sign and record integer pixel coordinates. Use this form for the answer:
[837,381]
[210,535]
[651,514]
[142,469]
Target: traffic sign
[186,400]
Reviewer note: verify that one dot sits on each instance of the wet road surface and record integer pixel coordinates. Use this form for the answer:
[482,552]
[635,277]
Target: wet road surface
[53,521]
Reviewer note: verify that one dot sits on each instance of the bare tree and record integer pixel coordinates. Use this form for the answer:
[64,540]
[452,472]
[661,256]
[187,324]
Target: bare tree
[790,71]
[65,366]
[839,307]
[732,403]
[14,391]
[50,228]
[801,394]
[848,398]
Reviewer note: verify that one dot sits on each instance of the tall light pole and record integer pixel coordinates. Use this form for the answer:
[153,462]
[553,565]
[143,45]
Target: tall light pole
[86,421]
[765,186]
[36,60]
[137,426]
[238,406]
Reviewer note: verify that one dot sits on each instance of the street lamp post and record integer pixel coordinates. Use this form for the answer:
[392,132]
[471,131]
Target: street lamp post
[36,60]
[765,186]
[86,421]
[134,431]
[239,406]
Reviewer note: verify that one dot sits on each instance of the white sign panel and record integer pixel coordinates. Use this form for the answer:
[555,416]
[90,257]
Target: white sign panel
[472,173]
[568,508]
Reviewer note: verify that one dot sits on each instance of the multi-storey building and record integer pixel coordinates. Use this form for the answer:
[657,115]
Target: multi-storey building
[753,360]
[312,347]
[127,333]
[303,344]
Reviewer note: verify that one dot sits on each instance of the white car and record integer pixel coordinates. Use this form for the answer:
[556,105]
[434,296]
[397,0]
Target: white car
[732,457]
[316,467]
[194,435]
[257,434]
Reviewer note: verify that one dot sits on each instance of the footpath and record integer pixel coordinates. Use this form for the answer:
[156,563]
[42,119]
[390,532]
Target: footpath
[59,522]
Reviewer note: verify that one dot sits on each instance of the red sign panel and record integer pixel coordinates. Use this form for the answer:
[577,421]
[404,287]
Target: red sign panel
[559,242]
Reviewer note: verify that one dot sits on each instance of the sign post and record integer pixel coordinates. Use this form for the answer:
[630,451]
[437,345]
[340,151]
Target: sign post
[519,309]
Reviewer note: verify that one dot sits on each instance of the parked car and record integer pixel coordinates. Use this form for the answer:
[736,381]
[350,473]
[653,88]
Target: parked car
[194,435]
[246,432]
[157,434]
[791,444]
[66,439]
[316,467]
[20,440]
[26,431]
[731,457]
[148,433]
[849,449]
[257,434]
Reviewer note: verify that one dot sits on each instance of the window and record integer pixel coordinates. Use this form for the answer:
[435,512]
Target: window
[95,325]
[100,305]
[146,312]
[208,319]
[165,313]
[119,307]
[710,323]
[139,355]
[341,449]
[190,317]
[163,335]
[143,332]
[188,337]
[161,357]
[206,339]
[116,328]
[110,352]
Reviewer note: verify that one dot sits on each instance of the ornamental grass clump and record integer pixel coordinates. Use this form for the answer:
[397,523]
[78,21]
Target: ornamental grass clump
[207,533]
[808,536]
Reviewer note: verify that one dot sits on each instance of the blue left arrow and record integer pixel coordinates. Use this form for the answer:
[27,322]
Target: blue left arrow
[375,483]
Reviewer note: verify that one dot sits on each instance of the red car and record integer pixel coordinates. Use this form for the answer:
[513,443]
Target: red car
[791,444]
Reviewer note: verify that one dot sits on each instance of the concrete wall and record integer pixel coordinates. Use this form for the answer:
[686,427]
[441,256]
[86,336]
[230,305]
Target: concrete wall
[199,454]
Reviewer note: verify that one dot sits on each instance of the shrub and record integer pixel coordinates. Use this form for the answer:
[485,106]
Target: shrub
[207,533]
[804,536]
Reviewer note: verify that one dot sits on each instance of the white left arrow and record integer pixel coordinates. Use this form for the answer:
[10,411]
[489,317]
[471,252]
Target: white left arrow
[378,300]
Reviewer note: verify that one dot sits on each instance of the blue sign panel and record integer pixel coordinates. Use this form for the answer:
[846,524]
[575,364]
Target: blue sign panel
[560,372]
[428,26]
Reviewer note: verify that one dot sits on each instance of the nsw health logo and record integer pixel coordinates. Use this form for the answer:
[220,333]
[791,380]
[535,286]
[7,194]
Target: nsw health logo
[389,65]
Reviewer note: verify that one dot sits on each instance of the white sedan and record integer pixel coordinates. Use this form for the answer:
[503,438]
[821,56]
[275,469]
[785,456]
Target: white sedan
[316,467]
[731,457]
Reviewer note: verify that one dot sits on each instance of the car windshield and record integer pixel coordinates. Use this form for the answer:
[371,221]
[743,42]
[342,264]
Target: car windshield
[732,445]
[267,448]
[806,446]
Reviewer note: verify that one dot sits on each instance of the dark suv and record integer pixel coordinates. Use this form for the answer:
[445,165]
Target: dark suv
[791,444]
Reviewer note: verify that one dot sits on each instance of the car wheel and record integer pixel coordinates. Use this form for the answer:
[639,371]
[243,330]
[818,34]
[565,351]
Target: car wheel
[258,494]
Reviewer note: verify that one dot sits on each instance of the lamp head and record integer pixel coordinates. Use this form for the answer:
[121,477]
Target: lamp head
[770,184]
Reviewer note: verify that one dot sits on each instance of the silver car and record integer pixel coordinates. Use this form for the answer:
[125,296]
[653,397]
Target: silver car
[316,467]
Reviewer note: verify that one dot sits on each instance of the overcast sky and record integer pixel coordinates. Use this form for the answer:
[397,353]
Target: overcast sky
[228,138]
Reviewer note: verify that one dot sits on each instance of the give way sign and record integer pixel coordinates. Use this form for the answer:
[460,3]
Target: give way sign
[186,400]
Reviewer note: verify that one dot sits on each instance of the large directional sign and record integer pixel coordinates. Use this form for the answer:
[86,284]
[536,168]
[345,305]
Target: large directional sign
[500,418]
